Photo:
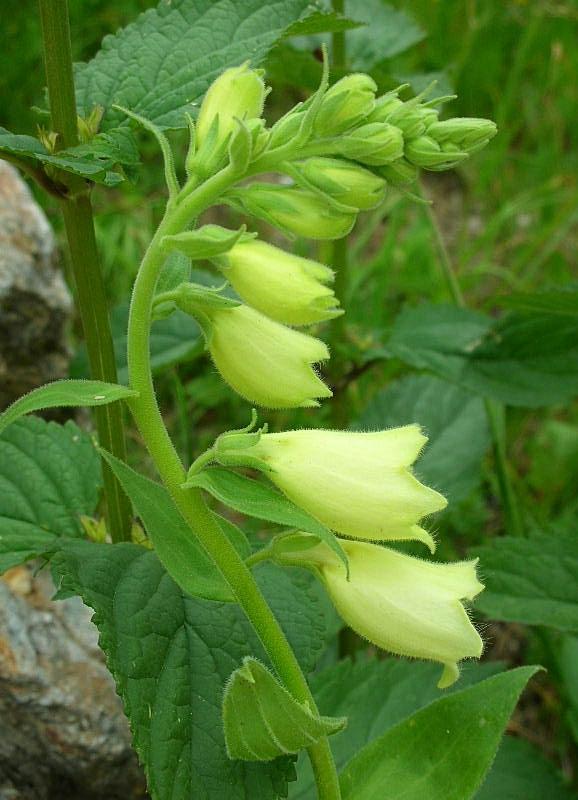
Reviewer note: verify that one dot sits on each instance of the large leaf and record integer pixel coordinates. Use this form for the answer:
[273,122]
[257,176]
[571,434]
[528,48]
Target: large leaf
[162,64]
[443,751]
[557,300]
[49,477]
[531,580]
[454,420]
[65,393]
[262,720]
[173,340]
[521,360]
[180,553]
[375,695]
[260,500]
[171,656]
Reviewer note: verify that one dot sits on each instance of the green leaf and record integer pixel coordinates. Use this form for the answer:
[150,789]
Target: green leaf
[443,751]
[49,477]
[374,695]
[161,65]
[454,420]
[520,772]
[531,580]
[171,656]
[321,22]
[263,721]
[260,500]
[382,32]
[558,300]
[65,393]
[179,552]
[520,360]
[173,340]
[95,163]
[176,270]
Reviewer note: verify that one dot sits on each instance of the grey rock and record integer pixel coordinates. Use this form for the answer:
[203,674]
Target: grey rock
[35,304]
[63,734]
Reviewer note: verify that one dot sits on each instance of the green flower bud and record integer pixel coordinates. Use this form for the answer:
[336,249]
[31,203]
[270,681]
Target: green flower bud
[358,484]
[402,604]
[374,144]
[344,181]
[399,173]
[464,133]
[384,106]
[295,211]
[238,93]
[285,287]
[262,360]
[345,104]
[426,152]
[286,129]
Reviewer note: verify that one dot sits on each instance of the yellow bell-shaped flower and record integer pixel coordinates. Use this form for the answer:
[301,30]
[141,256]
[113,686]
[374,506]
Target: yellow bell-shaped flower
[402,604]
[264,361]
[358,484]
[285,287]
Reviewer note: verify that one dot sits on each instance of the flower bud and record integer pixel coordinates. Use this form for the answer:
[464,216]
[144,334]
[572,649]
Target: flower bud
[374,144]
[264,361]
[427,153]
[285,287]
[345,104]
[238,93]
[464,133]
[412,118]
[295,211]
[399,173]
[344,181]
[402,604]
[358,484]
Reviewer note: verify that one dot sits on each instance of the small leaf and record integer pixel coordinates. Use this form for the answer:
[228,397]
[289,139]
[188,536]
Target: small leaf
[531,580]
[205,242]
[260,500]
[263,721]
[176,270]
[321,22]
[443,751]
[181,554]
[49,477]
[65,393]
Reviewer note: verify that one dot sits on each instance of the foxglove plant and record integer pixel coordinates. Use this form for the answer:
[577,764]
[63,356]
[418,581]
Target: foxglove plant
[340,149]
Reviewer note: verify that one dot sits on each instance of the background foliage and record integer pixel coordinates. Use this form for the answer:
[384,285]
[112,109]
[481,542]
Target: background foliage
[508,221]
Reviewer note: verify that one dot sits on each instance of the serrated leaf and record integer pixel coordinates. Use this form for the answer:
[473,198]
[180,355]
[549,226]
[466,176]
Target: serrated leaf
[454,420]
[180,553]
[375,694]
[263,721]
[520,360]
[531,580]
[162,64]
[94,163]
[65,393]
[443,751]
[49,477]
[321,22]
[171,656]
[260,500]
[173,340]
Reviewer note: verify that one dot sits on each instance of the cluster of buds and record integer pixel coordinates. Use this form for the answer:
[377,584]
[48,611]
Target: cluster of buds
[340,150]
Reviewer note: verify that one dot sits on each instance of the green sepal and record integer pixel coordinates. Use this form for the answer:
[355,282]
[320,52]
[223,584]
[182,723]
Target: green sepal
[263,721]
[240,148]
[198,301]
[206,242]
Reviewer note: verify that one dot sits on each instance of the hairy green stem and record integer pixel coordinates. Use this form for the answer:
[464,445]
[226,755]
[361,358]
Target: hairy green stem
[79,224]
[190,502]
[494,411]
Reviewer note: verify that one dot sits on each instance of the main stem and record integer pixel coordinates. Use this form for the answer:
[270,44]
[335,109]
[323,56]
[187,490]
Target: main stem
[79,224]
[495,411]
[190,502]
